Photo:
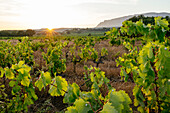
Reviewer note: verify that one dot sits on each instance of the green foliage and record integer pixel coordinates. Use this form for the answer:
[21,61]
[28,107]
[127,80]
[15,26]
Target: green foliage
[23,85]
[104,52]
[98,78]
[80,107]
[43,81]
[120,100]
[72,94]
[94,54]
[11,54]
[6,54]
[36,45]
[85,41]
[90,101]
[77,55]
[148,66]
[96,97]
[108,108]
[150,32]
[23,51]
[85,53]
[54,59]
[58,86]
[138,29]
[22,88]
[3,96]
[96,57]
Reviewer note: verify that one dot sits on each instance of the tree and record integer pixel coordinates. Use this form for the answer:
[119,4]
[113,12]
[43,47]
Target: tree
[21,33]
[30,32]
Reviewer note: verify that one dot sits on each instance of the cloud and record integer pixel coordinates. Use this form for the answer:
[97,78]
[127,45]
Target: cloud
[75,2]
[10,8]
[9,4]
[62,12]
[105,1]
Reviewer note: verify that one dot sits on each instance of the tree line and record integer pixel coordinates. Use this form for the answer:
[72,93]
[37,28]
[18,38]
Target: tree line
[17,33]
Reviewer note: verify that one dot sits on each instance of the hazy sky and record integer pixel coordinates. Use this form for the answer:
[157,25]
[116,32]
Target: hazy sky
[24,14]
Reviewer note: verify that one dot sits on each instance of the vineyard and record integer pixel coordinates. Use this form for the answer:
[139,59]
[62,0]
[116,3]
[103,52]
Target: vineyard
[127,70]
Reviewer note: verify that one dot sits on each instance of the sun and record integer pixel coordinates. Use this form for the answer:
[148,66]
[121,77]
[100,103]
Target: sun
[50,29]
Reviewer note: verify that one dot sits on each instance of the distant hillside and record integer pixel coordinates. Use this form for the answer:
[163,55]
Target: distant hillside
[117,22]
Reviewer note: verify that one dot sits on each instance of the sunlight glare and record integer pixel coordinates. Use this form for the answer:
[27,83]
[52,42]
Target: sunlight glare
[50,29]
[51,14]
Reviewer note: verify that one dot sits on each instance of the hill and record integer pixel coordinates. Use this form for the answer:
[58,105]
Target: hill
[117,22]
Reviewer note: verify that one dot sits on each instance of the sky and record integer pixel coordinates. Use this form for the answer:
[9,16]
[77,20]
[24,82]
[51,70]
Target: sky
[36,14]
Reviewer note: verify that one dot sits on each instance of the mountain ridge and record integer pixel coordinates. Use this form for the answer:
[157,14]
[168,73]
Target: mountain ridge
[117,22]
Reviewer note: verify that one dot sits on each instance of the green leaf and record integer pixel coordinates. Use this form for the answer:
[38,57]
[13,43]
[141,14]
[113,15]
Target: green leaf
[16,89]
[150,53]
[107,108]
[47,77]
[58,87]
[31,92]
[14,66]
[21,70]
[44,80]
[72,94]
[87,95]
[71,109]
[20,63]
[27,100]
[34,95]
[120,100]
[25,81]
[124,74]
[2,72]
[104,52]
[12,83]
[95,86]
[140,109]
[27,68]
[82,106]
[127,102]
[39,84]
[161,22]
[139,98]
[8,73]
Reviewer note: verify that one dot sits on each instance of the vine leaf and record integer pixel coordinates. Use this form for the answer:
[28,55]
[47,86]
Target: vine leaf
[120,100]
[2,72]
[72,94]
[9,74]
[71,109]
[58,87]
[25,81]
[43,80]
[82,106]
[107,108]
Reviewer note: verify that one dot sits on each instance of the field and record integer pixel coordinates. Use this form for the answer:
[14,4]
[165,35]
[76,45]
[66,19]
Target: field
[122,71]
[108,66]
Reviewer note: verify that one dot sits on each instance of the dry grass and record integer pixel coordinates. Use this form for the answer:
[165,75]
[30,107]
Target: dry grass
[126,86]
[108,66]
[39,61]
[13,41]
